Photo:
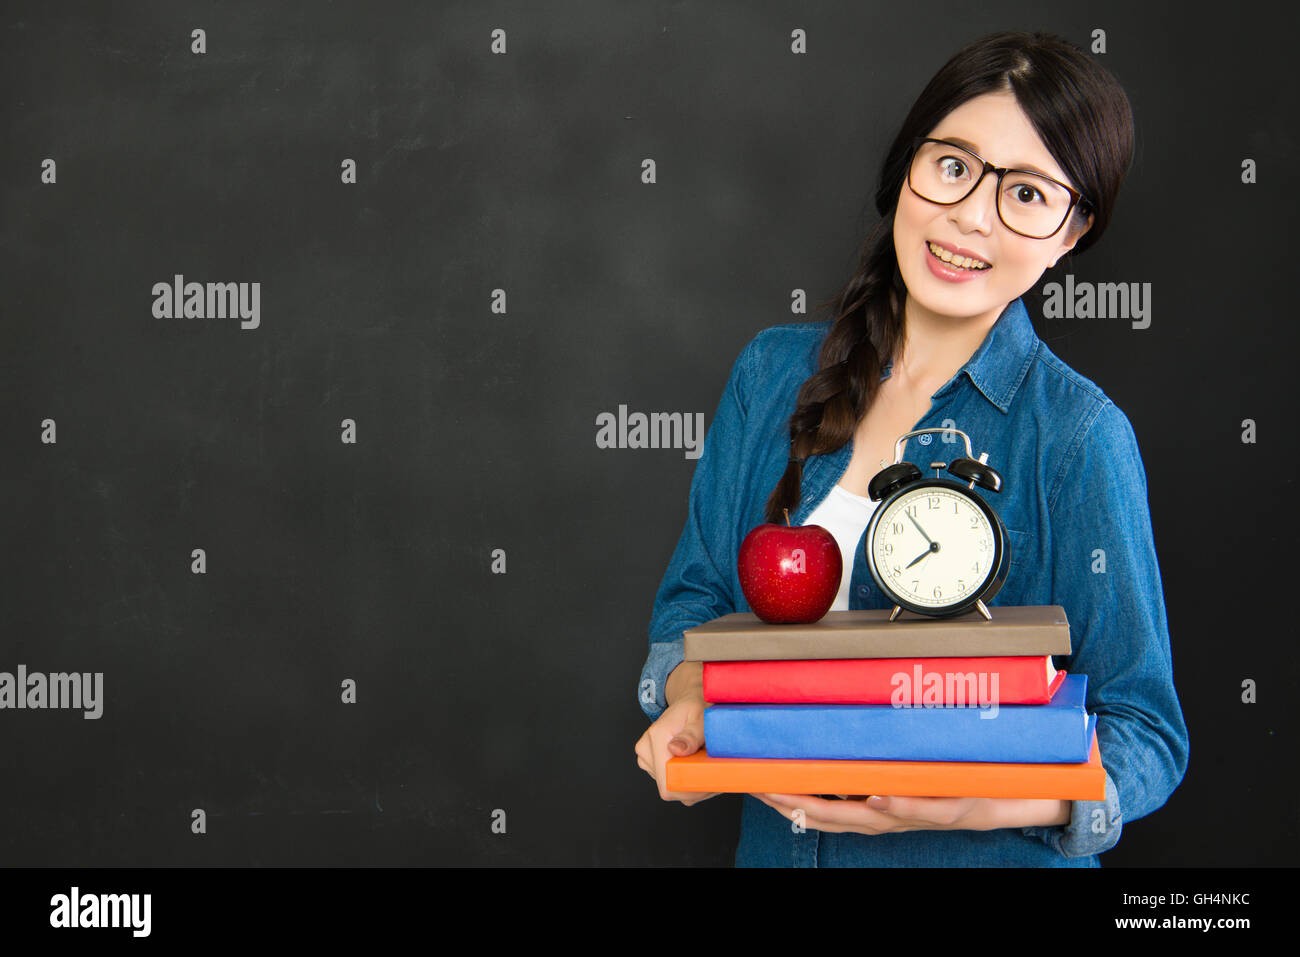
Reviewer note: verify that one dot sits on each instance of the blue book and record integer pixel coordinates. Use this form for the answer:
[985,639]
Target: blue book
[1057,732]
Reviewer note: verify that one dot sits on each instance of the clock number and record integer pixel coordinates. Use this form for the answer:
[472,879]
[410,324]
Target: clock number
[974,521]
[915,585]
[897,528]
[889,548]
[976,567]
[934,502]
[937,592]
[961,586]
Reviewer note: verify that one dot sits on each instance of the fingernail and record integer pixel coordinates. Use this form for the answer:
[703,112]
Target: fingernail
[878,802]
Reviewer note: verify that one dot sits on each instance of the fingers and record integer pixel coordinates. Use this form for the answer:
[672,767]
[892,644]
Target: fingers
[688,740]
[804,810]
[678,732]
[930,812]
[644,756]
[833,816]
[693,797]
[683,734]
[661,778]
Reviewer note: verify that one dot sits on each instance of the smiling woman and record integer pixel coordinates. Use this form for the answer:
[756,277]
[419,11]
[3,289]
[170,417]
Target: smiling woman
[952,194]
[1011,158]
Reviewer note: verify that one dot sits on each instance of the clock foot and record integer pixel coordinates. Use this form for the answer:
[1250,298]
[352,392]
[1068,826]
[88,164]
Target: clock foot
[983,610]
[894,614]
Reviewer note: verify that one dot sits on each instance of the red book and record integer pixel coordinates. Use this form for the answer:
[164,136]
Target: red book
[899,681]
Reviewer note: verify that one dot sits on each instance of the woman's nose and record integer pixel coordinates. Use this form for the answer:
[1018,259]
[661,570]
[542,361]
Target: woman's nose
[979,209]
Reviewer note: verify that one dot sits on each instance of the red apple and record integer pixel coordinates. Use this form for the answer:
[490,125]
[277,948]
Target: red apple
[790,574]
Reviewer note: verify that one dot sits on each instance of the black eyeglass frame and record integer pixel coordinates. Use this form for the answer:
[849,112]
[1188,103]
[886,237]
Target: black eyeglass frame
[1076,198]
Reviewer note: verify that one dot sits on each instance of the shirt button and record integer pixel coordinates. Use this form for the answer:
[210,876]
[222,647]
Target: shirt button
[926,438]
[864,590]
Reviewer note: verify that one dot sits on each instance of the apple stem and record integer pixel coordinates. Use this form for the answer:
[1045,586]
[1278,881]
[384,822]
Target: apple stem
[787,515]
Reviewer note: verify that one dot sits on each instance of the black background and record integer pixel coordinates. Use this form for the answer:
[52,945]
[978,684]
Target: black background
[476,431]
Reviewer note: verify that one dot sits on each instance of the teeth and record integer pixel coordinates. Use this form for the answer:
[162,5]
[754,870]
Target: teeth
[963,262]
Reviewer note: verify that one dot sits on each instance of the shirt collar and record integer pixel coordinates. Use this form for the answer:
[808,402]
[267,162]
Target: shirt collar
[999,365]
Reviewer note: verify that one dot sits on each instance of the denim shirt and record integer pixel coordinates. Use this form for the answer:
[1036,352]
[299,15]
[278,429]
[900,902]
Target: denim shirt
[1074,503]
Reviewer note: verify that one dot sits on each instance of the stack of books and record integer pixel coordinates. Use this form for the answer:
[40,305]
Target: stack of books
[857,704]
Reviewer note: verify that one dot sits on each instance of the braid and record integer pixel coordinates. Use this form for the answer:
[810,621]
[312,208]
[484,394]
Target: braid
[833,399]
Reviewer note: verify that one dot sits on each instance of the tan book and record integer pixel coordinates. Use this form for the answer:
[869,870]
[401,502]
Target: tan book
[1016,630]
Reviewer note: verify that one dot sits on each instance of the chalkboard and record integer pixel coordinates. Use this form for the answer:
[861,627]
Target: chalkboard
[311,316]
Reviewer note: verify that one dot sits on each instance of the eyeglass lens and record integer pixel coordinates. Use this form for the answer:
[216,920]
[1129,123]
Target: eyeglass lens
[1030,204]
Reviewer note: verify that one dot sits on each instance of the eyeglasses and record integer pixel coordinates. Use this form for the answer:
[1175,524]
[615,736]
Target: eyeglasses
[1030,204]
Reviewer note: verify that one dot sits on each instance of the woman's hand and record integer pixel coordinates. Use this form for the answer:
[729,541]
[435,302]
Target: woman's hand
[884,815]
[679,731]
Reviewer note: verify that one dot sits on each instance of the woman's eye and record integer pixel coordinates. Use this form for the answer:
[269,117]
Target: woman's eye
[1027,194]
[953,167]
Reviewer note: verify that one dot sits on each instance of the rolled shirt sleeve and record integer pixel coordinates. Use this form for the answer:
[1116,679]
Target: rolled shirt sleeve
[699,583]
[1106,577]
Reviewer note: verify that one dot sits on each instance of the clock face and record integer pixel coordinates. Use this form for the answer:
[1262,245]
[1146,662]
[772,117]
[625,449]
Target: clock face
[934,547]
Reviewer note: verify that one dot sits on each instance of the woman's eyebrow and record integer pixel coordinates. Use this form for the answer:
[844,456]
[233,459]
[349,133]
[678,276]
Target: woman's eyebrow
[967,144]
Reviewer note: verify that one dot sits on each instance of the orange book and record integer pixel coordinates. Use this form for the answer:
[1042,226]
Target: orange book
[1064,782]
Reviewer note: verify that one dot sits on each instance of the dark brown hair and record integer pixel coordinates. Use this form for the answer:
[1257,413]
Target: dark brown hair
[1083,117]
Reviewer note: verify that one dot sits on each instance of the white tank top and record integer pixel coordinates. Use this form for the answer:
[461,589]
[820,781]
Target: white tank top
[845,516]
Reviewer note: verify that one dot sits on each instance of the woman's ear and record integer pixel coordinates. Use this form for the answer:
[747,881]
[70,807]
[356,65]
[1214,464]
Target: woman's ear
[1086,226]
[1073,237]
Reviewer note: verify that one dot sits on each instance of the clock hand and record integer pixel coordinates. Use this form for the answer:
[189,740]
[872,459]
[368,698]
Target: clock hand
[918,526]
[934,547]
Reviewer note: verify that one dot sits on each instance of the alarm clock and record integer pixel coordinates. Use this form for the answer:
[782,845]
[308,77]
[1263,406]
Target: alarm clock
[933,545]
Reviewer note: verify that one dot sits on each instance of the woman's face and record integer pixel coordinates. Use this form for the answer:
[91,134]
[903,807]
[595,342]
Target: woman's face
[1003,135]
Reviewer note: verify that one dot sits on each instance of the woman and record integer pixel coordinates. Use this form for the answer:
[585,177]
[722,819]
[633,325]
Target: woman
[922,343]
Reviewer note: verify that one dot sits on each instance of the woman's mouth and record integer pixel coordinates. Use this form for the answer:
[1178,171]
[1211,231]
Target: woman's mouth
[958,262]
[951,271]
